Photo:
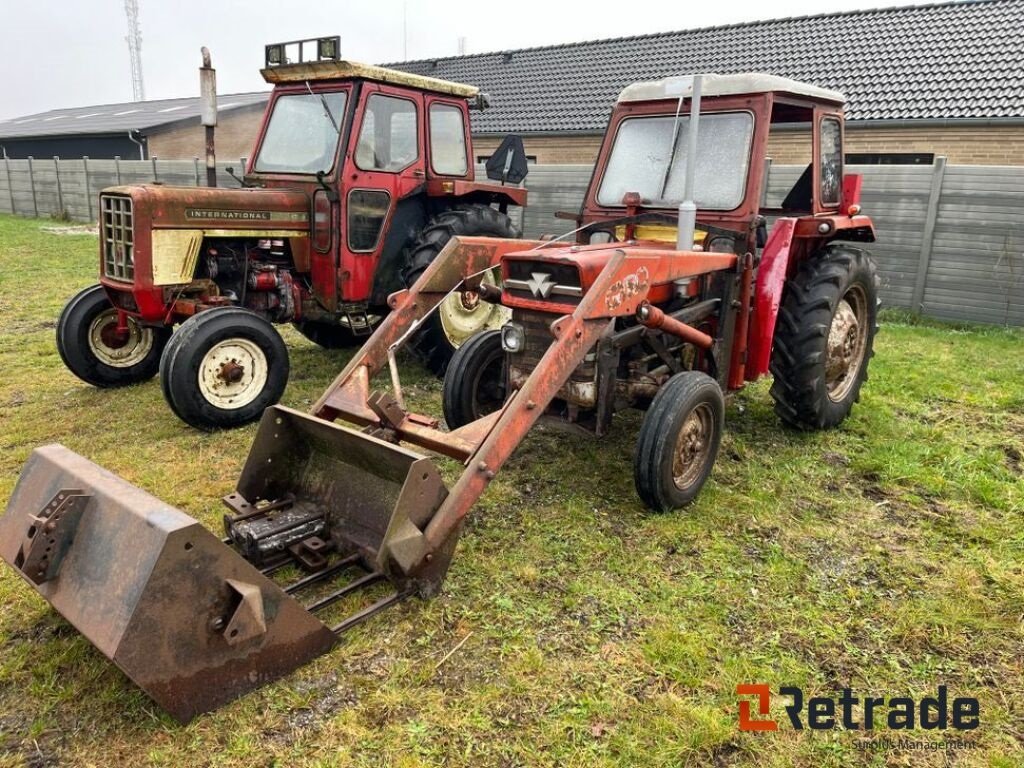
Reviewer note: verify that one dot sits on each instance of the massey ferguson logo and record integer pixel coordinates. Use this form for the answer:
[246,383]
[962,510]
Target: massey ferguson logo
[540,284]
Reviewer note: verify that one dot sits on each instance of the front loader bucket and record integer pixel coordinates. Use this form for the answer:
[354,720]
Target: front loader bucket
[182,614]
[330,484]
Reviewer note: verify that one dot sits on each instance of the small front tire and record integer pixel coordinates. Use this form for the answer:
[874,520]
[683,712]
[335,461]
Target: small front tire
[679,441]
[91,348]
[222,368]
[474,384]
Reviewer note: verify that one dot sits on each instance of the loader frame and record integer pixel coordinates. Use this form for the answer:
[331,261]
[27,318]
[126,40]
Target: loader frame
[486,444]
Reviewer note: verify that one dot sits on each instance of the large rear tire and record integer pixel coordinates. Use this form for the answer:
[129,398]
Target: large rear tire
[825,337]
[679,441]
[223,367]
[333,335]
[91,348]
[454,322]
[474,384]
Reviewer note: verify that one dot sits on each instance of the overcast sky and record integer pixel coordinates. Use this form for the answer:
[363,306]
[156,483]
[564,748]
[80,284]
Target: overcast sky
[67,53]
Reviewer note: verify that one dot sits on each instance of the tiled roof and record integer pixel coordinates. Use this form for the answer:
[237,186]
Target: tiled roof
[141,116]
[949,60]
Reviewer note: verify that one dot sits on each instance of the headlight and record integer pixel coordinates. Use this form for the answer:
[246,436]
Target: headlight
[513,337]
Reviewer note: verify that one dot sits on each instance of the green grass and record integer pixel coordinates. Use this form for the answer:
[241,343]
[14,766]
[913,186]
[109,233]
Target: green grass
[885,555]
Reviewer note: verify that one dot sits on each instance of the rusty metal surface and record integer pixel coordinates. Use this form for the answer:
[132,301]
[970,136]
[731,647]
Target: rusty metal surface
[158,594]
[48,536]
[652,317]
[378,496]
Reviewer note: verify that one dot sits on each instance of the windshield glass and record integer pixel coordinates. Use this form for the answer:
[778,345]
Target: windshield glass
[301,137]
[643,146]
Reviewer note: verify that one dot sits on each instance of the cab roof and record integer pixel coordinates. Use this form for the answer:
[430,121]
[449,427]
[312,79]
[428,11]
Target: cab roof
[352,70]
[726,85]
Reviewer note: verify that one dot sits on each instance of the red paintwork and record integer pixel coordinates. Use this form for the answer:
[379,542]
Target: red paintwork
[654,269]
[771,278]
[335,273]
[461,188]
[163,207]
[852,183]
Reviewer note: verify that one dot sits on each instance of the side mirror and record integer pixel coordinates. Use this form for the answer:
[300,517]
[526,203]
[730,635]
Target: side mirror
[508,163]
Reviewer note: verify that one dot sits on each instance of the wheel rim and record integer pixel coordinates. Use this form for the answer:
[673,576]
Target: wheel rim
[464,315]
[847,341]
[693,446]
[232,374]
[488,387]
[118,350]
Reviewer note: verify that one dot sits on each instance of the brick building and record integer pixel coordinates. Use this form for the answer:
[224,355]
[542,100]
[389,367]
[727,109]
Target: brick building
[942,79]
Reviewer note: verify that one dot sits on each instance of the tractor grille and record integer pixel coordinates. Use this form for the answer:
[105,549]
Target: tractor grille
[118,237]
[537,329]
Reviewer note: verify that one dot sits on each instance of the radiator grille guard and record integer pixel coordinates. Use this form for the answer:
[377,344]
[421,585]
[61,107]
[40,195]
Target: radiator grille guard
[118,237]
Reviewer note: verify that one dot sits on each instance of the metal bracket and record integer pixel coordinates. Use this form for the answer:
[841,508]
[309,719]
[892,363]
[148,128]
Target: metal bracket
[49,536]
[248,620]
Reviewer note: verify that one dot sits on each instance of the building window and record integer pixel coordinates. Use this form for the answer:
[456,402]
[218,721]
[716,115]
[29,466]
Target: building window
[890,158]
[388,140]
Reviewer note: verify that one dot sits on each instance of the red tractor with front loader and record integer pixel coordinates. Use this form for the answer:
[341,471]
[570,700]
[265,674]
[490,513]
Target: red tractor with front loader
[673,292]
[358,178]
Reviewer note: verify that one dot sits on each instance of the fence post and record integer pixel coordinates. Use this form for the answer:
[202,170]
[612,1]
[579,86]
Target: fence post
[10,188]
[32,184]
[60,191]
[928,236]
[155,178]
[117,168]
[195,162]
[88,189]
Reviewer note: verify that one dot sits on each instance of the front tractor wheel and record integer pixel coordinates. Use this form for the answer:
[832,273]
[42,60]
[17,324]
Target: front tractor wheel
[679,441]
[462,315]
[825,338]
[223,367]
[474,384]
[93,348]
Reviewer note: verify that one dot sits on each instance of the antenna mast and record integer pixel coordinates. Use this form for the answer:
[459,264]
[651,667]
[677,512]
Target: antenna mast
[134,38]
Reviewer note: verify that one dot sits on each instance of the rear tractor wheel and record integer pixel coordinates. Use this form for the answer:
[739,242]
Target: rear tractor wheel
[825,337]
[223,367]
[95,351]
[462,315]
[679,441]
[335,335]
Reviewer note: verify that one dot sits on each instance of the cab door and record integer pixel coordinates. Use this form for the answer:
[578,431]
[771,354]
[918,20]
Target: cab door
[385,162]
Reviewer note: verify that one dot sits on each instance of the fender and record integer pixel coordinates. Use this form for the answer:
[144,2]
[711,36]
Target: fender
[771,279]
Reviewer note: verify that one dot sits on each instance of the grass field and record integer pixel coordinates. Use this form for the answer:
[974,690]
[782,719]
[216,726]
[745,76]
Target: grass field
[887,556]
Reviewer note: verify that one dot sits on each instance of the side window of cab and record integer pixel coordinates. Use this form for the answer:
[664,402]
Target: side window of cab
[389,137]
[448,154]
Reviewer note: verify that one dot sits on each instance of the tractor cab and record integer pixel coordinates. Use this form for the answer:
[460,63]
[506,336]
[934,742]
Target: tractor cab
[379,151]
[640,171]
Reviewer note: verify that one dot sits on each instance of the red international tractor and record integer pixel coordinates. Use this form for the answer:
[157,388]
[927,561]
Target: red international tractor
[359,177]
[674,292]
